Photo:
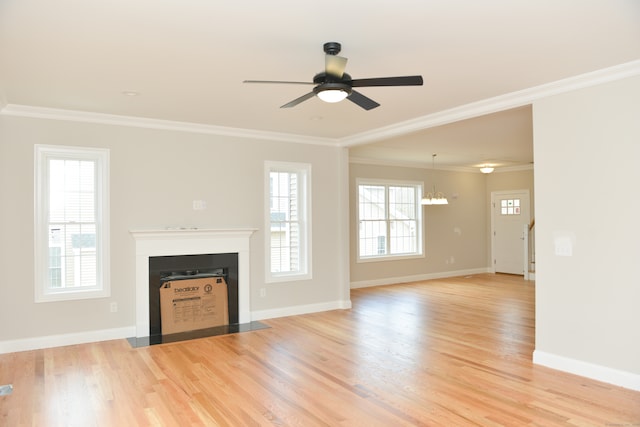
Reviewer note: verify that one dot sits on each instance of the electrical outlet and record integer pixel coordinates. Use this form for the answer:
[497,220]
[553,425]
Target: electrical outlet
[114,307]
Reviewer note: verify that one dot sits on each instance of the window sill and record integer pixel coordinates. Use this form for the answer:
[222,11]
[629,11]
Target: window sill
[288,278]
[72,295]
[389,258]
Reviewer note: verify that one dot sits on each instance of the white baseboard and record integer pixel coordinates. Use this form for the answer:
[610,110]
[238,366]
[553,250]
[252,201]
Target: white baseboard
[417,277]
[588,370]
[299,309]
[38,343]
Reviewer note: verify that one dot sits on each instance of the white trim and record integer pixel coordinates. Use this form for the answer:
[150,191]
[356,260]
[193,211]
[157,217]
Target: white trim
[518,168]
[492,201]
[495,104]
[418,187]
[385,258]
[186,242]
[344,243]
[409,164]
[417,278]
[300,309]
[101,156]
[18,110]
[589,370]
[467,111]
[37,343]
[525,245]
[303,170]
[422,165]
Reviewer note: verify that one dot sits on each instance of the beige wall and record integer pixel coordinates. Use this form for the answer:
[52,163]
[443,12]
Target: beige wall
[587,146]
[455,234]
[155,176]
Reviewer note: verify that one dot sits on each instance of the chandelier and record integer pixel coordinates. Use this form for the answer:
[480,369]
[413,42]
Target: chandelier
[434,197]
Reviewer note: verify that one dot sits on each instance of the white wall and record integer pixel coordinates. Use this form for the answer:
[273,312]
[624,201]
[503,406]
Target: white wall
[155,176]
[587,153]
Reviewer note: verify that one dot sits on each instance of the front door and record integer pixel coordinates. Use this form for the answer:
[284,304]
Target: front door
[509,214]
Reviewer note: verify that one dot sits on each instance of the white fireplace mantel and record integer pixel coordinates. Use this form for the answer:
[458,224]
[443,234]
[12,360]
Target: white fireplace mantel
[190,241]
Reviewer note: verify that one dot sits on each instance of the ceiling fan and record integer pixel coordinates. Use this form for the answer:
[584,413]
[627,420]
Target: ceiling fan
[334,85]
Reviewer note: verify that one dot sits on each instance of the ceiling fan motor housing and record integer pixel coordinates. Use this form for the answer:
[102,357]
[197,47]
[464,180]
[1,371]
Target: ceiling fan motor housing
[332,48]
[329,82]
[321,78]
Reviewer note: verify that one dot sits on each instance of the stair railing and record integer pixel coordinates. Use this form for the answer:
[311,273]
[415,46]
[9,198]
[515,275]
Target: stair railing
[529,250]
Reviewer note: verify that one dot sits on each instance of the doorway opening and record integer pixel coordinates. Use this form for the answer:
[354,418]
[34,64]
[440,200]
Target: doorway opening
[510,215]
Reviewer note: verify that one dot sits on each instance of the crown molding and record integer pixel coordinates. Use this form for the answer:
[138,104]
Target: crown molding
[463,112]
[495,104]
[527,167]
[409,164]
[422,165]
[18,110]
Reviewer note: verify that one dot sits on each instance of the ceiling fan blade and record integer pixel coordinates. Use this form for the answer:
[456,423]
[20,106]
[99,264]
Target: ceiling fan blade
[388,81]
[361,100]
[278,82]
[334,65]
[298,100]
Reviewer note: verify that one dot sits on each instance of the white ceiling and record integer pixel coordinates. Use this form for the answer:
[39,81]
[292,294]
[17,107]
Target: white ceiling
[187,59]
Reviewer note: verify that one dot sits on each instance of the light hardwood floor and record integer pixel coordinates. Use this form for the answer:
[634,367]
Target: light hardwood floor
[449,352]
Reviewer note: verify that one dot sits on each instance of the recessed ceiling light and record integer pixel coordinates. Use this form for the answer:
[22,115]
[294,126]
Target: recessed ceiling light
[130,93]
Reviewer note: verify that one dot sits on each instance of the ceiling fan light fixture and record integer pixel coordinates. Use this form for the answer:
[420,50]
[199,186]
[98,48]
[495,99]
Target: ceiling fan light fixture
[332,92]
[333,95]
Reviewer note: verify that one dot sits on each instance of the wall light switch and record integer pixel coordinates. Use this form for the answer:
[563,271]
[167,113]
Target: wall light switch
[563,246]
[199,205]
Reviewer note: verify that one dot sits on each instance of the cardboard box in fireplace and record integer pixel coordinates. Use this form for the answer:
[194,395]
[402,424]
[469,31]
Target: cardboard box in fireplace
[191,304]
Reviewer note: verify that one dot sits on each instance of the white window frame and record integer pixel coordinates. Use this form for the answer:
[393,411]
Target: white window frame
[304,205]
[418,186]
[102,288]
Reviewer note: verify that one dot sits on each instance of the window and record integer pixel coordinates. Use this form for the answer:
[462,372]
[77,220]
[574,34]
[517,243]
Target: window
[288,236]
[390,220]
[72,223]
[510,207]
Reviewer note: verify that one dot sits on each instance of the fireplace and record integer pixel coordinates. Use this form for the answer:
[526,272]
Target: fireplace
[217,251]
[162,268]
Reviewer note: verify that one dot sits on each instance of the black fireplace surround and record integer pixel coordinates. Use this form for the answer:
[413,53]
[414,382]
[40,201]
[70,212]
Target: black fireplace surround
[225,265]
